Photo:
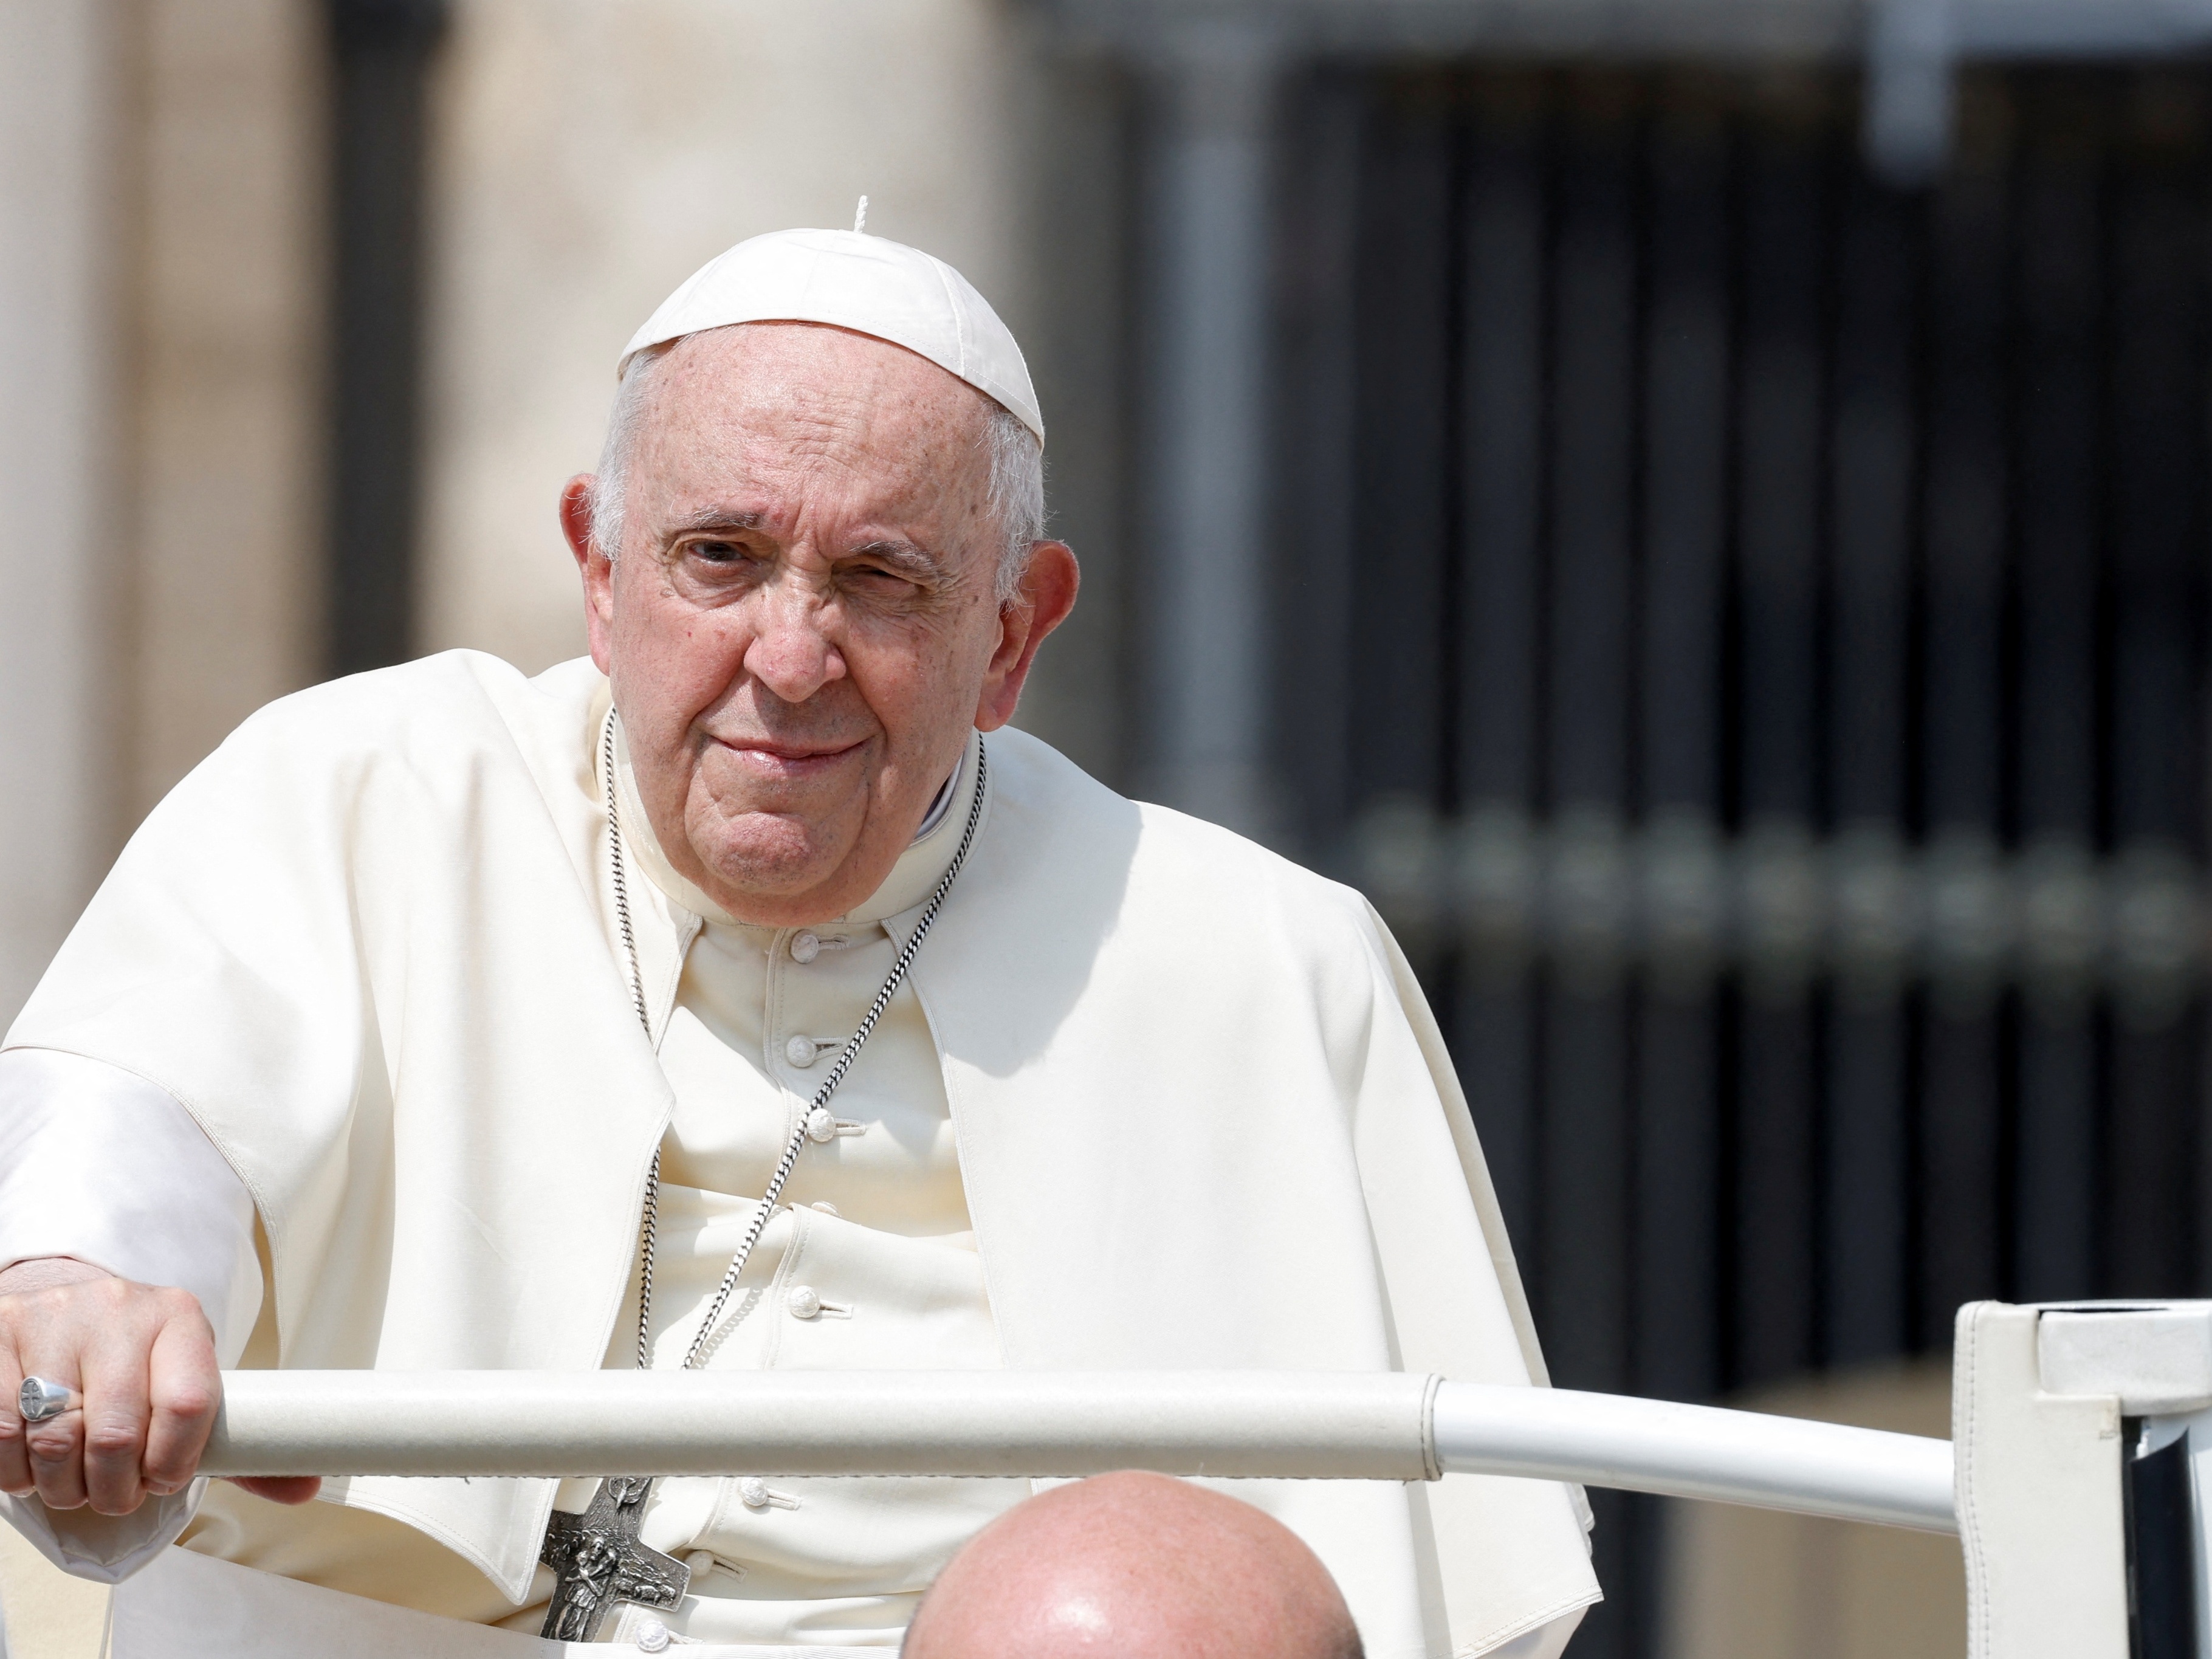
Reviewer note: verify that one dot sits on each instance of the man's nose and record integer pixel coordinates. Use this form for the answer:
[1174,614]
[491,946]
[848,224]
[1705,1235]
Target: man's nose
[790,653]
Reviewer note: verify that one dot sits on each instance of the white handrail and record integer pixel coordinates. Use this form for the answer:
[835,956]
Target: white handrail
[1315,1425]
[1697,1451]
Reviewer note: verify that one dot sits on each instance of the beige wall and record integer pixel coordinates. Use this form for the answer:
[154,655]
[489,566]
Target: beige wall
[588,158]
[1748,1584]
[225,612]
[61,161]
[159,272]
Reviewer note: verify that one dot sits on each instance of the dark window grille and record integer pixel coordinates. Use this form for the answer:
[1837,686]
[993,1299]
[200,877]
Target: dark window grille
[1770,609]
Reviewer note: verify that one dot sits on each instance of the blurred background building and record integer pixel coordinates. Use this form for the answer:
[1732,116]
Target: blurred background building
[1698,507]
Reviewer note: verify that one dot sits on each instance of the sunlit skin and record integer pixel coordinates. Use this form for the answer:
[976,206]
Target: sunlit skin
[143,1357]
[802,627]
[1133,1566]
[802,630]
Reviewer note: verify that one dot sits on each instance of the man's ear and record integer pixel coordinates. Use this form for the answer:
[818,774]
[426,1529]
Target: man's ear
[593,566]
[1046,595]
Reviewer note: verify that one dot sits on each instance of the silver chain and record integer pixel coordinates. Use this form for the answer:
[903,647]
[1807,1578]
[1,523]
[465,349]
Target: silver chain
[784,1166]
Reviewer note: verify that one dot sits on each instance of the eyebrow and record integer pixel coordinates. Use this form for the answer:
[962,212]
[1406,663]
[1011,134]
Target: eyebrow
[717,517]
[908,558]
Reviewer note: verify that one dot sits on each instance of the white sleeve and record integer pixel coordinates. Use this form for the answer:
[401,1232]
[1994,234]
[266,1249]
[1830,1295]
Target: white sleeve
[1544,1641]
[100,1164]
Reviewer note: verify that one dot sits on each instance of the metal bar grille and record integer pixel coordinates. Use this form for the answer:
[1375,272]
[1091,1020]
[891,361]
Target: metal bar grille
[1592,899]
[1774,646]
[1769,609]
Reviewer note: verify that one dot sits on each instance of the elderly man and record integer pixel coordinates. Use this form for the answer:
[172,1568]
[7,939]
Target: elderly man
[1133,1566]
[748,996]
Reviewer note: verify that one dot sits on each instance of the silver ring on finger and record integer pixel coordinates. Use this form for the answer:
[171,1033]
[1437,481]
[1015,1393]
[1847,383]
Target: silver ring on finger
[41,1399]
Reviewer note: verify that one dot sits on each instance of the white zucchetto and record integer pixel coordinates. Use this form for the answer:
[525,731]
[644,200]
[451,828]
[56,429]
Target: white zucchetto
[862,282]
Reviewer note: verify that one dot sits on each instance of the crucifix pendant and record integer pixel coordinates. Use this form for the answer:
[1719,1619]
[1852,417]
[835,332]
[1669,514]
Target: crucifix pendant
[600,1561]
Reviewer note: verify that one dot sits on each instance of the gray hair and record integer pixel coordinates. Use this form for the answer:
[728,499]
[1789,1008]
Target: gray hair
[1014,492]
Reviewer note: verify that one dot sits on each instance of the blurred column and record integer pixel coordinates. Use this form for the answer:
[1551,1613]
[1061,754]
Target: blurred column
[1312,741]
[1785,199]
[1865,1267]
[1207,297]
[381,51]
[1909,93]
[1397,553]
[1582,1241]
[1585,1148]
[1500,583]
[2062,297]
[2158,328]
[1961,1243]
[58,564]
[1677,1248]
[226,399]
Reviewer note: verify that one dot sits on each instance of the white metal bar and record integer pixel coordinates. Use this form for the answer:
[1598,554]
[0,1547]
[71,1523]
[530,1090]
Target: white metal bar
[1313,1426]
[1697,1451]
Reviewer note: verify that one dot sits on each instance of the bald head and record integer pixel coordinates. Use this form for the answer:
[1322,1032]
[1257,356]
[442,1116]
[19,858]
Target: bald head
[1134,1567]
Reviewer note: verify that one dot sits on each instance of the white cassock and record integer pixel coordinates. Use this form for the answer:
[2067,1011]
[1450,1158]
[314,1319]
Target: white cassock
[1151,1098]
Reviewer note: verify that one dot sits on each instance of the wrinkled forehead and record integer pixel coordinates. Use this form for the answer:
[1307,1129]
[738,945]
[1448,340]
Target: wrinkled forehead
[812,373]
[791,404]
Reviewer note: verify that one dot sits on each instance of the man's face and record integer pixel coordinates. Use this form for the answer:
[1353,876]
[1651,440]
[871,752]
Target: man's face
[801,627]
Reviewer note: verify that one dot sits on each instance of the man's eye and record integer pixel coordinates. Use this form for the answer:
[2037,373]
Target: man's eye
[717,552]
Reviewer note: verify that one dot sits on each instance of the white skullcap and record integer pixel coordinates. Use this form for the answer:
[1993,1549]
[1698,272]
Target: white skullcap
[862,282]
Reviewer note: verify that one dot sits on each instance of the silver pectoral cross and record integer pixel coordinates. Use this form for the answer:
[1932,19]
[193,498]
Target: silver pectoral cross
[600,1561]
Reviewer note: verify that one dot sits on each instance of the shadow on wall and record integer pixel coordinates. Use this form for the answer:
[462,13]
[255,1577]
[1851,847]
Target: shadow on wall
[1747,1584]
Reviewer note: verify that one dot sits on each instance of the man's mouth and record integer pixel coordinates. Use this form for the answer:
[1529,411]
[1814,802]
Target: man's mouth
[788,760]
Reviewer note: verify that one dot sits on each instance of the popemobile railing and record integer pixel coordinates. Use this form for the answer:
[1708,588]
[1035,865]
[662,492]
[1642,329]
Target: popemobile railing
[1311,1425]
[2075,1486]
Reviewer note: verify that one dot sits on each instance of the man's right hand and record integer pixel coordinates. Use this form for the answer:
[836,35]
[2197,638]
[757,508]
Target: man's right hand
[143,1359]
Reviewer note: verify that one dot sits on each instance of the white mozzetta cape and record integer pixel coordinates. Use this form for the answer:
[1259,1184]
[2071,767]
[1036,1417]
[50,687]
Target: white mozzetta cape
[1204,1118]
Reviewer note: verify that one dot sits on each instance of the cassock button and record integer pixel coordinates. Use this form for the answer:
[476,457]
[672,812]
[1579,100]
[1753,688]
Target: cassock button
[807,1303]
[804,947]
[800,1051]
[753,1492]
[822,1128]
[653,1637]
